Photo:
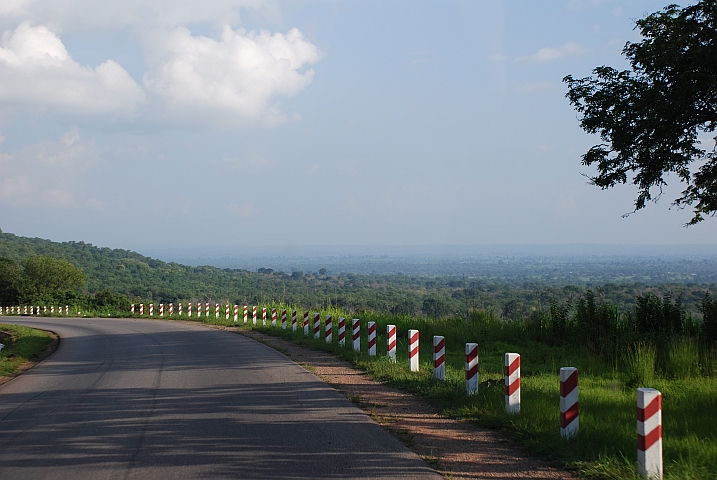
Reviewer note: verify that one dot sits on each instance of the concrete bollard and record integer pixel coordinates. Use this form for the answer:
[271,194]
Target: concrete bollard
[293,320]
[263,316]
[328,330]
[356,334]
[569,409]
[246,313]
[649,433]
[317,326]
[226,311]
[52,310]
[24,310]
[413,350]
[131,309]
[161,309]
[471,368]
[189,310]
[283,319]
[273,317]
[439,357]
[512,382]
[171,309]
[180,309]
[391,342]
[371,339]
[67,309]
[342,331]
[306,323]
[216,310]
[253,315]
[141,308]
[206,309]
[236,313]
[44,310]
[151,309]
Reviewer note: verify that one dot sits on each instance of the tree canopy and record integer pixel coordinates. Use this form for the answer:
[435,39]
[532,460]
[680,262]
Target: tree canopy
[650,117]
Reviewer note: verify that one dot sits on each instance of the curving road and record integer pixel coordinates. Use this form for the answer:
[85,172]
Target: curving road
[155,399]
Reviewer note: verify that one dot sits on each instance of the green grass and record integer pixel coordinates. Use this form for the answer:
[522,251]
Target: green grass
[606,445]
[21,344]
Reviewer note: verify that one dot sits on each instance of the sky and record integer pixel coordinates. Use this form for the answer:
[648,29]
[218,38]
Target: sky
[146,124]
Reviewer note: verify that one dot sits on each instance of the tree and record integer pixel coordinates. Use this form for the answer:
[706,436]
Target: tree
[649,117]
[48,278]
[10,282]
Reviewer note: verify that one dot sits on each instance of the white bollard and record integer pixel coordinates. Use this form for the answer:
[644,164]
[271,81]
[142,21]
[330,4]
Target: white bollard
[306,322]
[391,342]
[131,309]
[342,331]
[317,326]
[199,309]
[439,357]
[246,313]
[67,309]
[273,317]
[356,334]
[263,316]
[236,313]
[226,312]
[206,309]
[328,330]
[371,339]
[253,315]
[283,319]
[293,320]
[471,368]
[171,309]
[649,433]
[512,382]
[569,409]
[161,309]
[151,309]
[141,308]
[52,310]
[189,309]
[216,310]
[44,310]
[180,309]
[413,350]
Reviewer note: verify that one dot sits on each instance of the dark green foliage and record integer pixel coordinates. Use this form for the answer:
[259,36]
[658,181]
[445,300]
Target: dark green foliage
[10,281]
[435,307]
[709,320]
[659,317]
[649,117]
[46,278]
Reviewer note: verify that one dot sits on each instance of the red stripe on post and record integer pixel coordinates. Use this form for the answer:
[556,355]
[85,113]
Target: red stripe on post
[513,387]
[652,408]
[569,416]
[644,443]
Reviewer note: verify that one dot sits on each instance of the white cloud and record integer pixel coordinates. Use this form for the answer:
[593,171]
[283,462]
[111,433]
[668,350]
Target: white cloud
[47,173]
[238,75]
[549,54]
[36,70]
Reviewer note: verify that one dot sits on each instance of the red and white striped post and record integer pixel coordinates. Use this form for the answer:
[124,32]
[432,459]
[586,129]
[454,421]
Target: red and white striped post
[569,408]
[649,433]
[306,322]
[328,329]
[189,309]
[180,309]
[141,308]
[246,313]
[199,309]
[52,310]
[356,334]
[439,357]
[512,382]
[471,368]
[44,310]
[151,309]
[391,342]
[293,320]
[273,317]
[413,350]
[32,310]
[67,309]
[206,309]
[371,339]
[342,331]
[171,309]
[236,313]
[131,309]
[253,314]
[317,326]
[216,310]
[283,319]
[226,311]
[161,309]
[24,310]
[263,316]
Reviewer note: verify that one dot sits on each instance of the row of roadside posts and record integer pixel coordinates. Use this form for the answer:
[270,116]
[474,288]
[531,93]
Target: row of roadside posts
[649,400]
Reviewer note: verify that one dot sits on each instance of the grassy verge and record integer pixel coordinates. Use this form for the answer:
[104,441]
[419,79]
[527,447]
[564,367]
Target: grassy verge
[21,345]
[606,446]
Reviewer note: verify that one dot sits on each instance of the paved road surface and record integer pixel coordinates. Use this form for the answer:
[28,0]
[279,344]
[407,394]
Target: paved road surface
[151,399]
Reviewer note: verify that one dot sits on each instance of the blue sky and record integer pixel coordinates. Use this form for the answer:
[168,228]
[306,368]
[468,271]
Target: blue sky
[146,124]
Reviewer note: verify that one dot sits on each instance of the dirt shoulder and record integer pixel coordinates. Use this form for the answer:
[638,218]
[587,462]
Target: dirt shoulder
[458,450]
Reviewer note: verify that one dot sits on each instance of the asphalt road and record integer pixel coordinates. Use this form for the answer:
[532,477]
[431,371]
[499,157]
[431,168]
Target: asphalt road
[153,399]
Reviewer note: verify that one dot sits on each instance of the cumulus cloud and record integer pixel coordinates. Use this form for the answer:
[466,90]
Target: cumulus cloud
[238,74]
[48,173]
[549,54]
[36,70]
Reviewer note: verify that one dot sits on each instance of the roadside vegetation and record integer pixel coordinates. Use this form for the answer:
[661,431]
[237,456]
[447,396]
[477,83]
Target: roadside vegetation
[21,344]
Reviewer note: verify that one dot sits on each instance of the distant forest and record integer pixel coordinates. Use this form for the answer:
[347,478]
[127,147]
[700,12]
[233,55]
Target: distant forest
[117,277]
